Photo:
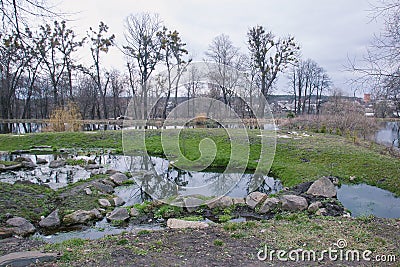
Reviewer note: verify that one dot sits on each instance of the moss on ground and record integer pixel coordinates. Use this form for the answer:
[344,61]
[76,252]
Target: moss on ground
[26,200]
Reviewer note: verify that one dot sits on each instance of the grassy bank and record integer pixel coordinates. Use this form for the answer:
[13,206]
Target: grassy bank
[297,158]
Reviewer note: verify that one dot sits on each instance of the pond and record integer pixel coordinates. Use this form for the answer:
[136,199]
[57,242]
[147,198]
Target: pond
[389,134]
[187,180]
[362,200]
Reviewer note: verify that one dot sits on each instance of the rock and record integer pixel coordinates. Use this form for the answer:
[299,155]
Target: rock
[238,201]
[97,213]
[301,188]
[21,226]
[108,182]
[118,178]
[118,201]
[81,216]
[255,198]
[118,214]
[6,232]
[41,161]
[321,212]
[27,258]
[28,165]
[293,203]
[134,212]
[181,224]
[12,167]
[268,205]
[57,163]
[104,202]
[108,189]
[22,159]
[51,221]
[191,203]
[314,207]
[222,202]
[88,191]
[2,166]
[111,172]
[334,180]
[92,167]
[322,187]
[352,178]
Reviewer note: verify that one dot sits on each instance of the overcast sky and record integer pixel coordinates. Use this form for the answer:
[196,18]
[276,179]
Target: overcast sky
[328,31]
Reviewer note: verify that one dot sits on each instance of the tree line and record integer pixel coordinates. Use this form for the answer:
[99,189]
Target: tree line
[40,68]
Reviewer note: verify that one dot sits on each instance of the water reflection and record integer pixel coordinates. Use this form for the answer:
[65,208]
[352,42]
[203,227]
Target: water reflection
[155,175]
[364,199]
[389,135]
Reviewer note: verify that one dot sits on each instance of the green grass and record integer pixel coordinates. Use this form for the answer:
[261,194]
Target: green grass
[193,218]
[296,160]
[309,158]
[76,162]
[31,201]
[26,200]
[8,163]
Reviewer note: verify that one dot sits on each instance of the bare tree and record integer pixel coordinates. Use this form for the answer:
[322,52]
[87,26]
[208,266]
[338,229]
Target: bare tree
[380,66]
[143,44]
[55,47]
[227,61]
[270,55]
[308,81]
[15,14]
[173,54]
[99,43]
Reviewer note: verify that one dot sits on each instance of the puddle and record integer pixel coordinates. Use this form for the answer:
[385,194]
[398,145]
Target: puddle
[364,199]
[99,230]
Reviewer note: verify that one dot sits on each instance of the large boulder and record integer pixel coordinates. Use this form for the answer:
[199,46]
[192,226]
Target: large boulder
[27,258]
[81,216]
[238,201]
[105,188]
[21,226]
[51,221]
[6,232]
[322,187]
[255,198]
[41,161]
[57,163]
[118,214]
[222,202]
[118,178]
[293,203]
[269,205]
[28,165]
[182,224]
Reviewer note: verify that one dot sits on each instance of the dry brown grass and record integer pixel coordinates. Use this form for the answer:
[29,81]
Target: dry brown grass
[65,119]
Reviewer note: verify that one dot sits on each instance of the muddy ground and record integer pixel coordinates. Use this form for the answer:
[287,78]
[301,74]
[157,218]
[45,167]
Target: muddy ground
[228,244]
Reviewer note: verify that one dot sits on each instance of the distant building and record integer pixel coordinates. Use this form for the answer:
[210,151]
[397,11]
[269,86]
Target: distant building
[367,98]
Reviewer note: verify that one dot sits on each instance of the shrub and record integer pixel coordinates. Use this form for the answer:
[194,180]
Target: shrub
[65,119]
